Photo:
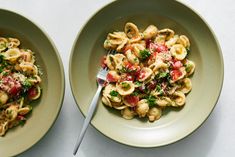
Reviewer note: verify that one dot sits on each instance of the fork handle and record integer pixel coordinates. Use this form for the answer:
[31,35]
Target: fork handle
[88,118]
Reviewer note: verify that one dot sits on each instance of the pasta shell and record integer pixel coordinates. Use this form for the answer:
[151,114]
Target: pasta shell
[131,30]
[18,76]
[179,99]
[154,113]
[127,113]
[145,73]
[120,107]
[13,43]
[131,57]
[11,112]
[119,60]
[3,44]
[125,87]
[163,101]
[12,54]
[168,33]
[3,128]
[108,89]
[27,56]
[186,85]
[142,108]
[190,67]
[160,39]
[150,32]
[183,40]
[172,41]
[122,45]
[137,48]
[35,79]
[110,62]
[106,101]
[28,68]
[158,64]
[24,110]
[3,97]
[178,51]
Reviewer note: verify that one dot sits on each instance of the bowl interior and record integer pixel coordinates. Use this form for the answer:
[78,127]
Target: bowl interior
[46,109]
[205,52]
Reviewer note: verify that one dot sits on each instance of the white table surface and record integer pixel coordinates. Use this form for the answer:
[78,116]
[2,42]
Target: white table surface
[62,19]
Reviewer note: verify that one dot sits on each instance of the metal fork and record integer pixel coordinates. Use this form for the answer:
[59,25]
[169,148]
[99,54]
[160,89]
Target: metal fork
[101,79]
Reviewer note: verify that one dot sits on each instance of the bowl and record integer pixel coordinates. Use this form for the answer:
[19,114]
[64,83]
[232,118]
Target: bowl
[46,109]
[207,80]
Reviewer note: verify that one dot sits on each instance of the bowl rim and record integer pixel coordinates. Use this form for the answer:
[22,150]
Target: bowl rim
[58,58]
[176,139]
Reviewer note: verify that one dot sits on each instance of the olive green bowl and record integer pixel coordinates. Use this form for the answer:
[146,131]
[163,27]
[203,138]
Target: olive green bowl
[46,109]
[207,80]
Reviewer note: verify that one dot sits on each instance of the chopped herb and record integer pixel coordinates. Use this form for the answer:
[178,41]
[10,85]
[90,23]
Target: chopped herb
[1,69]
[1,58]
[26,84]
[159,88]
[22,122]
[144,54]
[137,83]
[151,101]
[125,85]
[5,73]
[188,68]
[188,50]
[135,93]
[113,93]
[163,75]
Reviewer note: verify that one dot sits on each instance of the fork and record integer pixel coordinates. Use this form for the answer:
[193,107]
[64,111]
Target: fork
[101,79]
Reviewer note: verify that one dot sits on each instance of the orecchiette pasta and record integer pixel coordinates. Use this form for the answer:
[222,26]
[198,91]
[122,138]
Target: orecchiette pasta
[19,83]
[149,72]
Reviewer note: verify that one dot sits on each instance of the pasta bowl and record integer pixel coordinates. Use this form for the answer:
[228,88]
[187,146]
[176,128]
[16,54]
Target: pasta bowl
[47,107]
[174,124]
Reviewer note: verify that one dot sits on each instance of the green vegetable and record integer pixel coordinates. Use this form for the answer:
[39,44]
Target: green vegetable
[188,68]
[22,122]
[137,83]
[144,54]
[113,93]
[163,75]
[159,88]
[188,50]
[135,93]
[26,84]
[125,85]
[151,101]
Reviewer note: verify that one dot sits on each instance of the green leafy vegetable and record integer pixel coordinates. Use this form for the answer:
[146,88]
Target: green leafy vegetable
[144,54]
[137,83]
[151,101]
[113,93]
[125,85]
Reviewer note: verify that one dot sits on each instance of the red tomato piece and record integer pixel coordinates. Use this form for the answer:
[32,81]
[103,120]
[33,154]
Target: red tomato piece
[32,92]
[110,78]
[127,47]
[176,64]
[161,48]
[131,99]
[148,42]
[175,74]
[103,62]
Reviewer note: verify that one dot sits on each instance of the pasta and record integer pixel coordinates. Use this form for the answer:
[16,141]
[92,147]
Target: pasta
[149,72]
[20,82]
